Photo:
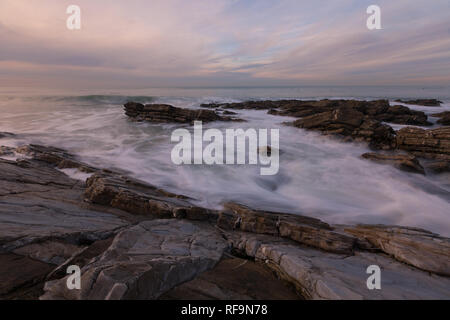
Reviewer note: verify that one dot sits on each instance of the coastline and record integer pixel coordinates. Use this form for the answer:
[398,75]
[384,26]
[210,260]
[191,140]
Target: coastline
[114,223]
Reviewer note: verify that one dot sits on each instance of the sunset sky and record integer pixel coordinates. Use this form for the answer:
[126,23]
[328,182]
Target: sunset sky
[224,43]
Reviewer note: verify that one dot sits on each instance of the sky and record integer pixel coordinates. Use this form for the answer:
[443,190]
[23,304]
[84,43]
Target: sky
[137,44]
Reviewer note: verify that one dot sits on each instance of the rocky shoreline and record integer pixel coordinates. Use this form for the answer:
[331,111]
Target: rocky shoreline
[133,240]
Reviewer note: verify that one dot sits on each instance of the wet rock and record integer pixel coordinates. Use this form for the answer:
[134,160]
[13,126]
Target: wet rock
[403,115]
[140,198]
[379,110]
[234,279]
[416,247]
[444,118]
[403,162]
[163,113]
[226,112]
[430,144]
[350,123]
[323,275]
[422,102]
[54,156]
[145,261]
[305,230]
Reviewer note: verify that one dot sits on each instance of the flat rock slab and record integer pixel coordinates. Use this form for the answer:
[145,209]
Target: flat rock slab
[234,279]
[322,275]
[39,203]
[145,261]
[417,247]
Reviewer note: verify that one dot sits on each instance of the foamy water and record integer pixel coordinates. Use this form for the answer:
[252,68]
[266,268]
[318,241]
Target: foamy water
[318,176]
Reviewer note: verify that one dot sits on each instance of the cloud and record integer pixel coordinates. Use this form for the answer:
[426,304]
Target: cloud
[213,42]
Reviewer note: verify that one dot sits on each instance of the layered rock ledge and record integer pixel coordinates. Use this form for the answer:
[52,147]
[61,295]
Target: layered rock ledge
[163,113]
[133,240]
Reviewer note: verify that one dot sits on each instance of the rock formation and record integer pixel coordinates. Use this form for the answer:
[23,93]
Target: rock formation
[163,113]
[350,123]
[135,241]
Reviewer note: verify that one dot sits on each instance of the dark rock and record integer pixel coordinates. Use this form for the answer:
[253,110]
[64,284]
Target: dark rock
[378,110]
[140,198]
[305,230]
[403,115]
[226,112]
[145,261]
[322,275]
[444,118]
[234,279]
[430,144]
[348,122]
[6,135]
[21,277]
[163,113]
[403,162]
[422,102]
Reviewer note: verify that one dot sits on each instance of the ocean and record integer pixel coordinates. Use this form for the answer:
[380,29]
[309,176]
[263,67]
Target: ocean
[318,176]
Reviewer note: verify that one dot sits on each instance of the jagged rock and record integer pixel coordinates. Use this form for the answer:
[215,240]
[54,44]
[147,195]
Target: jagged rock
[349,122]
[145,261]
[430,144]
[401,161]
[444,118]
[377,110]
[305,230]
[422,102]
[417,247]
[403,115]
[140,198]
[163,113]
[234,279]
[323,275]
